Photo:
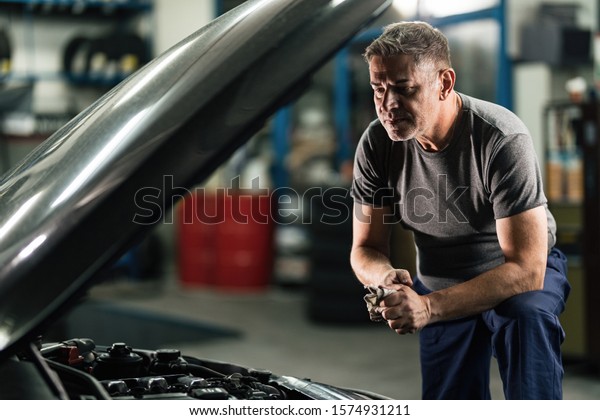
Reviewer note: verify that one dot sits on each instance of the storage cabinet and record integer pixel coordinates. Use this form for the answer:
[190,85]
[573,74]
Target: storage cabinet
[572,188]
[590,138]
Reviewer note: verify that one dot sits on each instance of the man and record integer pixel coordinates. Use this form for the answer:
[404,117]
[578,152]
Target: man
[461,174]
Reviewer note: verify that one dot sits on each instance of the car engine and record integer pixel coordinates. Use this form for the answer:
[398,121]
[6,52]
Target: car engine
[79,369]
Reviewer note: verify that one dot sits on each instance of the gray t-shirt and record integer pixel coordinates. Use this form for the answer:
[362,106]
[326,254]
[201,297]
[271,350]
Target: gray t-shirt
[452,198]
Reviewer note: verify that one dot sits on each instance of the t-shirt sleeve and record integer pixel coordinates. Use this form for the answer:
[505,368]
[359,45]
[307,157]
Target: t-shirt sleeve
[370,183]
[514,177]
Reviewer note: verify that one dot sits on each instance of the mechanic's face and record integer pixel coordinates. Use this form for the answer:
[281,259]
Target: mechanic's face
[406,96]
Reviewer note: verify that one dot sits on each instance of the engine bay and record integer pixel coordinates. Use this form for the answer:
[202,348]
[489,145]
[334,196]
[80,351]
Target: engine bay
[78,369]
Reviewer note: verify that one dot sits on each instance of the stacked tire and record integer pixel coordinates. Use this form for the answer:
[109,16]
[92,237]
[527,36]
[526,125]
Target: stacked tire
[334,294]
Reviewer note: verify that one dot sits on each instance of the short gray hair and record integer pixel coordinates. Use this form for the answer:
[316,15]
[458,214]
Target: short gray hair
[426,44]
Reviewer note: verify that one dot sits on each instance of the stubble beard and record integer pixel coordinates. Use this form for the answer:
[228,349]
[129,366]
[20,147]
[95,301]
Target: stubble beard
[406,131]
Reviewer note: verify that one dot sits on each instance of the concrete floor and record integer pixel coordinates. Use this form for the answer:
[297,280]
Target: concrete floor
[277,334]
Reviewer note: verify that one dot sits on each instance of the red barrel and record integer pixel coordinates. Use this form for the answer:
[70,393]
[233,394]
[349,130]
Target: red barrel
[225,241]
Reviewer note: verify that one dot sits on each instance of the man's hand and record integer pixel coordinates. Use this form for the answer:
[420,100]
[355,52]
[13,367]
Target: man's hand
[392,281]
[405,311]
[395,278]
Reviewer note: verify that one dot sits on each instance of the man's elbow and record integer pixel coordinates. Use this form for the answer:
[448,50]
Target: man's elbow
[534,276]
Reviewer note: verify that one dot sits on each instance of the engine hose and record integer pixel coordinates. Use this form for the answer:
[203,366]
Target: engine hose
[203,371]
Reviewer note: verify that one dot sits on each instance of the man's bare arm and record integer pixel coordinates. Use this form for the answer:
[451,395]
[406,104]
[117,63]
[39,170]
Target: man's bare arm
[524,242]
[370,255]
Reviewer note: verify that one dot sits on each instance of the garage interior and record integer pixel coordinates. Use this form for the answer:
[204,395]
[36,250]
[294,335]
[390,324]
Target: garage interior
[278,293]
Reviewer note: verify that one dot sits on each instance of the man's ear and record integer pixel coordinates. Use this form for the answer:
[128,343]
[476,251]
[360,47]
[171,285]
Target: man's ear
[447,77]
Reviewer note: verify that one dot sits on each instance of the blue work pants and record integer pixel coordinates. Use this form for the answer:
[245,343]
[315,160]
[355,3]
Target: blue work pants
[523,333]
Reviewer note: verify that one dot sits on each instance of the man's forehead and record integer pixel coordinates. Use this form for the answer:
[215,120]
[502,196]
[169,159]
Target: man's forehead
[398,59]
[396,66]
[395,62]
[402,67]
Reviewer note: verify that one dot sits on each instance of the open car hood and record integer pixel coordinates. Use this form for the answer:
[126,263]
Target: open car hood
[70,209]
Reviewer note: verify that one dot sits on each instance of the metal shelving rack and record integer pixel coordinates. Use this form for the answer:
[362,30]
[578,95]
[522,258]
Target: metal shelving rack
[107,11]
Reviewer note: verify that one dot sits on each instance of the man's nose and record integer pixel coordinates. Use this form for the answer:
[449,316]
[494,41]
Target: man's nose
[390,100]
